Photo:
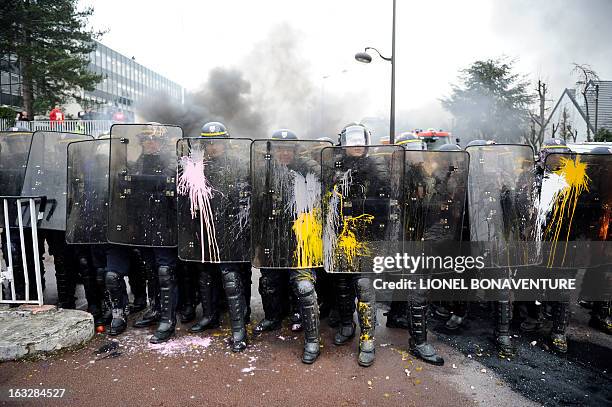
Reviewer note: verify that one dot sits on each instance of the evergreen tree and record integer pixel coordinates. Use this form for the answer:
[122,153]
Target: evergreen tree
[51,42]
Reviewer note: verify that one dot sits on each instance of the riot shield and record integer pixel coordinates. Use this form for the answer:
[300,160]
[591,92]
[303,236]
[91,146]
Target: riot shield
[214,198]
[142,186]
[286,220]
[14,151]
[435,190]
[87,198]
[575,210]
[46,174]
[362,215]
[501,204]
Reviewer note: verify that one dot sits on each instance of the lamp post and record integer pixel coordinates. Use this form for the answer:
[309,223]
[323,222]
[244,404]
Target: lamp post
[367,58]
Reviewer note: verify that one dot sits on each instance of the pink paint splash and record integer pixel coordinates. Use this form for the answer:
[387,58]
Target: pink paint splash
[182,345]
[192,181]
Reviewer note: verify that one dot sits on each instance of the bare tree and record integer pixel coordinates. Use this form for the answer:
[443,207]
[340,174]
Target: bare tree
[585,75]
[535,138]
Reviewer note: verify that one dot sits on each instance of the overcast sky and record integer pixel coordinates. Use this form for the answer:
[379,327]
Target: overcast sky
[183,40]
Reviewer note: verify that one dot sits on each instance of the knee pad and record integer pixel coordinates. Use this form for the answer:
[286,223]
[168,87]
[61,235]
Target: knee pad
[304,287]
[268,285]
[166,274]
[112,280]
[365,291]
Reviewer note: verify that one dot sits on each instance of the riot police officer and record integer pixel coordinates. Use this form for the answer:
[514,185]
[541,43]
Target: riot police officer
[274,282]
[234,276]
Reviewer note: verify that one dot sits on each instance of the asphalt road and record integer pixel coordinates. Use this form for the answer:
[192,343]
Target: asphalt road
[199,370]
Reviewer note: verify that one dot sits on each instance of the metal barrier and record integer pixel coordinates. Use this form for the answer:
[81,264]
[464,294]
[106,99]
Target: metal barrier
[7,275]
[92,127]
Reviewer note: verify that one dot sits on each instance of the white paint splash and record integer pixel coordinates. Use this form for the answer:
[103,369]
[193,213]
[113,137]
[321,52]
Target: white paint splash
[332,219]
[306,194]
[552,185]
[182,345]
[193,182]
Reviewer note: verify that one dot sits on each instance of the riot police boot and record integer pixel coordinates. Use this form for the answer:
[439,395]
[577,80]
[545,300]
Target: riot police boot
[119,303]
[345,333]
[333,319]
[561,314]
[367,353]
[418,344]
[118,324]
[137,277]
[168,299]
[601,316]
[210,311]
[503,339]
[65,282]
[105,315]
[309,309]
[366,312]
[266,325]
[454,322]
[187,293]
[345,304]
[150,317]
[272,304]
[107,311]
[442,312]
[188,313]
[232,284]
[139,304]
[152,314]
[530,325]
[397,316]
[245,275]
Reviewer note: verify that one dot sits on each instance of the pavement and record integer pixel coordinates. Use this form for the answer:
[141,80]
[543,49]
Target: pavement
[200,370]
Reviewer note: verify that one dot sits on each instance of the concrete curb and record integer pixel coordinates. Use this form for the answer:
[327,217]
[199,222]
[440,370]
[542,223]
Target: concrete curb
[30,330]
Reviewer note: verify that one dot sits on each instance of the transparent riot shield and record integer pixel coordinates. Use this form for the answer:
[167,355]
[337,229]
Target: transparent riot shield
[435,190]
[214,198]
[87,198]
[575,211]
[142,187]
[501,186]
[14,151]
[362,215]
[46,174]
[286,221]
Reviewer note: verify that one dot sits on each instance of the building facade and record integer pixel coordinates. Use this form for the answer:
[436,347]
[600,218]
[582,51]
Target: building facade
[125,83]
[599,97]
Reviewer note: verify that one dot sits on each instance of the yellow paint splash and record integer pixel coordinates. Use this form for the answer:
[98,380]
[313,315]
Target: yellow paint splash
[347,240]
[308,232]
[363,309]
[575,175]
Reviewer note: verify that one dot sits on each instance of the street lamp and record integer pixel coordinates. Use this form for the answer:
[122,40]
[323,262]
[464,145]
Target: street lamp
[367,58]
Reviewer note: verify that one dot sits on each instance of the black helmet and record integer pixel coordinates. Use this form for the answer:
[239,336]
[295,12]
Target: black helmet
[480,143]
[214,129]
[449,147]
[284,134]
[410,141]
[355,134]
[555,145]
[601,150]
